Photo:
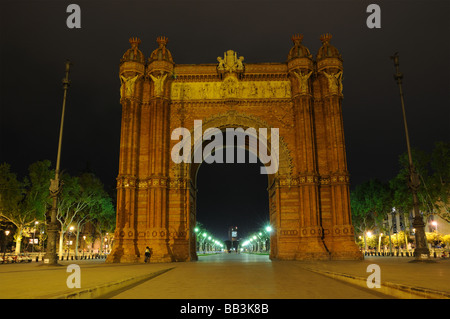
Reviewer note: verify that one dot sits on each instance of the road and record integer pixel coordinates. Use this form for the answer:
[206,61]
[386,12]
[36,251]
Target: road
[243,276]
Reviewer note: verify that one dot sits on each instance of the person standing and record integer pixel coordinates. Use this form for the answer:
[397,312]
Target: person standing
[147,254]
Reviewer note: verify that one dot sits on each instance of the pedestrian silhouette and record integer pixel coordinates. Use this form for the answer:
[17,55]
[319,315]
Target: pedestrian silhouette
[147,254]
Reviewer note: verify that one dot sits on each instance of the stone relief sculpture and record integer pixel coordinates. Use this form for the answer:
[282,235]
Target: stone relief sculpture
[303,81]
[159,82]
[334,82]
[128,85]
[230,87]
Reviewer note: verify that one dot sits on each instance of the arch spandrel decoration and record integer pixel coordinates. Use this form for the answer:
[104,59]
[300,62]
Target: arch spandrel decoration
[308,195]
[232,119]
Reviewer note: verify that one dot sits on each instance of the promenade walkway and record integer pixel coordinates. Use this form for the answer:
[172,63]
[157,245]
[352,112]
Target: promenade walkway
[229,276]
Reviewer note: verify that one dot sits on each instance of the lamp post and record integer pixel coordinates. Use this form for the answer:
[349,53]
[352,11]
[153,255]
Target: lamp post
[421,252]
[390,239]
[208,243]
[197,244]
[71,228]
[269,231]
[34,235]
[4,243]
[55,185]
[203,242]
[434,223]
[84,245]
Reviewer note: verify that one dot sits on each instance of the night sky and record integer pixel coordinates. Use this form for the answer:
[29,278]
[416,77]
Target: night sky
[35,42]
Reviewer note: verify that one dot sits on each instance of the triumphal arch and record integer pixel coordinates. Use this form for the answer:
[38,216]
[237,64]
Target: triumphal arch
[301,98]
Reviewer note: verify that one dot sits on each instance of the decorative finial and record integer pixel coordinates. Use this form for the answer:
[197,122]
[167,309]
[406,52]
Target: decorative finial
[135,42]
[325,38]
[297,38]
[162,41]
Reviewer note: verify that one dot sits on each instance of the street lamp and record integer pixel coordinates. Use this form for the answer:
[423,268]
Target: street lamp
[71,228]
[379,242]
[84,239]
[34,234]
[368,235]
[55,185]
[204,242]
[421,252]
[434,223]
[197,243]
[268,230]
[4,243]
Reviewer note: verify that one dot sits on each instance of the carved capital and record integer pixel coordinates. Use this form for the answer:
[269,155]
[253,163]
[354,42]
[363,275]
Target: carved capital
[180,183]
[126,181]
[312,231]
[339,178]
[308,179]
[343,230]
[288,232]
[287,181]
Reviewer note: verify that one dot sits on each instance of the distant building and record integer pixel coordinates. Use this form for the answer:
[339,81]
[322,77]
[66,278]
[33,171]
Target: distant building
[232,233]
[398,222]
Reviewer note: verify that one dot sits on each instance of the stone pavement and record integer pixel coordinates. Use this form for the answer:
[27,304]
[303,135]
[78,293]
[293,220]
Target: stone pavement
[243,276]
[229,276]
[36,280]
[400,277]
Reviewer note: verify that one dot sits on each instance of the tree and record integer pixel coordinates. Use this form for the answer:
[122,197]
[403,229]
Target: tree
[372,241]
[434,238]
[199,238]
[434,173]
[98,206]
[446,240]
[400,187]
[11,195]
[370,202]
[73,202]
[101,211]
[362,220]
[11,191]
[24,202]
[105,219]
[440,179]
[401,194]
[83,199]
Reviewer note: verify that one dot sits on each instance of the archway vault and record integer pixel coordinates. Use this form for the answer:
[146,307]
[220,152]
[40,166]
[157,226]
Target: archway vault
[301,98]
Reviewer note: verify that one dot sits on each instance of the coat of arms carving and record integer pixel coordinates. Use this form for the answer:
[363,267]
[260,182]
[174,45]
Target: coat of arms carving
[230,63]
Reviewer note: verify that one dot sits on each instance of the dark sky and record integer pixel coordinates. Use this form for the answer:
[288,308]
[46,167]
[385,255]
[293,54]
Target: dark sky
[35,42]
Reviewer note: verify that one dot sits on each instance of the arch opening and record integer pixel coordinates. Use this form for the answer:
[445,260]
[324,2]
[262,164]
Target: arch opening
[231,204]
[249,142]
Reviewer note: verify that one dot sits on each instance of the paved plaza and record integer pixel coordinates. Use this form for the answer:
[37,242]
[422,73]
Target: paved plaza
[229,276]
